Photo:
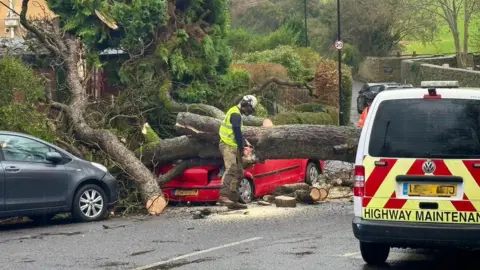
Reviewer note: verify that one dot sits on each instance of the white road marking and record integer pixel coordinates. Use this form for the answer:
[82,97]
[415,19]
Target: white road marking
[150,266]
[350,254]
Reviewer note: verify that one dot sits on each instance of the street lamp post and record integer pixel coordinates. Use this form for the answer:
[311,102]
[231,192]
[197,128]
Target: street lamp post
[305,14]
[339,48]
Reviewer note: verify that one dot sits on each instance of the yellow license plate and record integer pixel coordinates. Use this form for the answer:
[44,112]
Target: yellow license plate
[192,192]
[432,190]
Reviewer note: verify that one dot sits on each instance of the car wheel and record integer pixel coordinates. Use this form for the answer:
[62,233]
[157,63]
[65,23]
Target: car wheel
[374,253]
[90,204]
[311,173]
[245,191]
[41,219]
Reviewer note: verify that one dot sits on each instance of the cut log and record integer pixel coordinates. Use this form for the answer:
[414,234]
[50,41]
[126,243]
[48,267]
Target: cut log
[304,196]
[323,194]
[291,188]
[311,196]
[269,198]
[284,201]
[156,205]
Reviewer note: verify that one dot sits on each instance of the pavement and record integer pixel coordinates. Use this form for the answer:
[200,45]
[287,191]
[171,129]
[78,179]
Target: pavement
[262,237]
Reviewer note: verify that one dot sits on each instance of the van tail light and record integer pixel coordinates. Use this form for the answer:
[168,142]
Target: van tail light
[359,185]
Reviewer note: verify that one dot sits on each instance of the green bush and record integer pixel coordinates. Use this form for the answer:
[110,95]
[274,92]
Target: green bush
[326,86]
[24,118]
[351,57]
[307,118]
[242,41]
[346,95]
[284,55]
[310,107]
[19,80]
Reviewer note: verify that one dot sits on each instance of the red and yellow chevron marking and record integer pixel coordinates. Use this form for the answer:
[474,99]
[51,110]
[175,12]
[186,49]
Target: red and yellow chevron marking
[380,188]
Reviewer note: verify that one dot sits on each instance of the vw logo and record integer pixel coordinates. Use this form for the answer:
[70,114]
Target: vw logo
[428,166]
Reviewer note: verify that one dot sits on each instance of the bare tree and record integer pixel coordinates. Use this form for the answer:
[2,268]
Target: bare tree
[451,11]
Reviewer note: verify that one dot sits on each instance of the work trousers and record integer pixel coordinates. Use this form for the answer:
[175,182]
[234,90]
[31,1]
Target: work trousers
[233,174]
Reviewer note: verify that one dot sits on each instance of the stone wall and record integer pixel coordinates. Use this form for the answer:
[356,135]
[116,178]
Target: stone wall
[415,71]
[382,69]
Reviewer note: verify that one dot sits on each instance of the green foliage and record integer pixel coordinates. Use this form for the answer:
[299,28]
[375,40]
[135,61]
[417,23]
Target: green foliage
[190,51]
[243,41]
[151,136]
[310,107]
[346,89]
[260,110]
[351,57]
[221,94]
[326,85]
[284,55]
[308,118]
[16,79]
[24,118]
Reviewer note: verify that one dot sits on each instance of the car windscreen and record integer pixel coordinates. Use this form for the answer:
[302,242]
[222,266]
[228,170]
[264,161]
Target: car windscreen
[423,128]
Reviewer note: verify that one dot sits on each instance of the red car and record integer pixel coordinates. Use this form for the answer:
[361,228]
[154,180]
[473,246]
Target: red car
[202,184]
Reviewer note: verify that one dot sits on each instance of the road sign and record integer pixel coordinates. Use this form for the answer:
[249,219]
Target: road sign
[339,44]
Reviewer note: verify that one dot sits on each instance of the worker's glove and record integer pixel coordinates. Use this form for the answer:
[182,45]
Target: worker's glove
[247,151]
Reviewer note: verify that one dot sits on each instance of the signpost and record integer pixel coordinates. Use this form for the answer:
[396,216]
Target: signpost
[339,44]
[339,47]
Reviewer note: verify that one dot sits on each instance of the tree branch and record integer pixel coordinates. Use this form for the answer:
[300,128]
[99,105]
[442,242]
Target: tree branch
[41,36]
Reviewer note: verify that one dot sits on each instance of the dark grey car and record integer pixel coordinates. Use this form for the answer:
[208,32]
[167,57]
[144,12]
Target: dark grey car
[375,88]
[40,180]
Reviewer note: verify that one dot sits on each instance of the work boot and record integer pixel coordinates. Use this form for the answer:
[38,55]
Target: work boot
[224,201]
[237,206]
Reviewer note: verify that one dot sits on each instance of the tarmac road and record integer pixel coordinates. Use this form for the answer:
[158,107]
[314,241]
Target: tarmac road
[307,237]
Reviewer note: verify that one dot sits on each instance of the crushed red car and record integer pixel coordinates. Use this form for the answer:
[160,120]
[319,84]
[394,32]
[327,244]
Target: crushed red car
[203,183]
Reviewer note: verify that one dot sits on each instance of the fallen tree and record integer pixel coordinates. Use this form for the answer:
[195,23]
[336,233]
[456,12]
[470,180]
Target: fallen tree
[282,142]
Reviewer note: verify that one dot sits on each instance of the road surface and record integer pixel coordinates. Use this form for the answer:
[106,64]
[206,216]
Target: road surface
[308,237]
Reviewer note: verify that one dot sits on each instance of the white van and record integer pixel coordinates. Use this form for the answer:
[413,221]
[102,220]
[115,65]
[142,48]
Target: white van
[417,171]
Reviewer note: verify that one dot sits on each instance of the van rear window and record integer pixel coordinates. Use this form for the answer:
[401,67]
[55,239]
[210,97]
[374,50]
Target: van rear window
[422,128]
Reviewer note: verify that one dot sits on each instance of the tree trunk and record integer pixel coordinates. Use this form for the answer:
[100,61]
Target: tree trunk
[296,141]
[281,142]
[291,188]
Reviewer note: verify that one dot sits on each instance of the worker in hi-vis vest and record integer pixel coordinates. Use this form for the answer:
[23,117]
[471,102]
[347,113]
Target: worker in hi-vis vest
[232,148]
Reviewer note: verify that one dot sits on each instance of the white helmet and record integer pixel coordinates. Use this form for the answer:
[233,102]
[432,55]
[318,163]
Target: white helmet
[250,99]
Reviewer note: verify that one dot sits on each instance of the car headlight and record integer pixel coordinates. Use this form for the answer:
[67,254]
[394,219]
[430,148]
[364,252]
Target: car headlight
[100,166]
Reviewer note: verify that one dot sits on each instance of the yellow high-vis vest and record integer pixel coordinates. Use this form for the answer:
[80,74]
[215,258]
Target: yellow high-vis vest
[226,131]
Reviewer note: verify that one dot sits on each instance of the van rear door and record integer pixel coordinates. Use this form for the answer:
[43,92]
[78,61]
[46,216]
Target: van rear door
[423,161]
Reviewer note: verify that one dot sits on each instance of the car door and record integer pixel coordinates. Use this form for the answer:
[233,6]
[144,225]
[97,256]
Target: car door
[291,171]
[265,176]
[31,182]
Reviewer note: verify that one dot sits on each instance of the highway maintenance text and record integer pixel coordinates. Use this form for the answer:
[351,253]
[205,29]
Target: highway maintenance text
[421,215]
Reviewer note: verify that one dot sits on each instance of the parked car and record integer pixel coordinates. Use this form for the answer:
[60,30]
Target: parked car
[376,88]
[40,180]
[203,183]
